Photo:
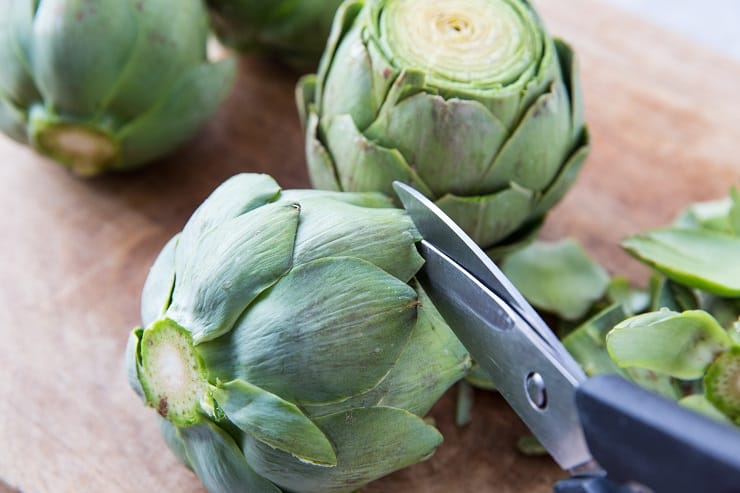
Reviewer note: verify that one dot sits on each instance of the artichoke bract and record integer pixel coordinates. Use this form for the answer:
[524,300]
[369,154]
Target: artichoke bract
[292,32]
[109,84]
[469,101]
[286,344]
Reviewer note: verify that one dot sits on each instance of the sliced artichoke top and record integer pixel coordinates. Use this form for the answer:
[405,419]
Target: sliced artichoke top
[470,101]
[489,44]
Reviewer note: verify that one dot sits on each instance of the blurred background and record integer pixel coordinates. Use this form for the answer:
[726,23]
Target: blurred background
[712,23]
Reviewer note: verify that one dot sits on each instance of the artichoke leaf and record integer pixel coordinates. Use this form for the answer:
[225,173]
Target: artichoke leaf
[373,200]
[478,378]
[348,84]
[587,343]
[489,218]
[364,166]
[219,463]
[667,294]
[451,142]
[432,360]
[534,153]
[713,215]
[179,113]
[569,68]
[133,360]
[274,421]
[361,455]
[344,316]
[385,239]
[234,197]
[343,20]
[219,276]
[173,440]
[565,177]
[384,73]
[421,375]
[12,121]
[407,83]
[682,345]
[701,404]
[659,382]
[701,259]
[634,301]
[725,310]
[558,277]
[73,74]
[305,97]
[523,236]
[157,291]
[320,163]
[15,32]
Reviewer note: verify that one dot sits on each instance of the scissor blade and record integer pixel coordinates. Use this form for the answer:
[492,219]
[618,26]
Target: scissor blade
[441,231]
[512,354]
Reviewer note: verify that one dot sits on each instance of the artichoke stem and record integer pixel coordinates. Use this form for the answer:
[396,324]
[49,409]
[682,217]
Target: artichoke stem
[84,150]
[171,373]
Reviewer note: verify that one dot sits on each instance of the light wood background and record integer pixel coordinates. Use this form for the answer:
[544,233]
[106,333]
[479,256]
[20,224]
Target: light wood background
[665,120]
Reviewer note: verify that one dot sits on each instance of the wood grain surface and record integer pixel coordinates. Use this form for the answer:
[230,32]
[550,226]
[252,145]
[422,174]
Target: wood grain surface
[665,120]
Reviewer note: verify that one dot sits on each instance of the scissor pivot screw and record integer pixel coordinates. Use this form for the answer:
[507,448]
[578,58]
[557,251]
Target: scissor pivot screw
[536,391]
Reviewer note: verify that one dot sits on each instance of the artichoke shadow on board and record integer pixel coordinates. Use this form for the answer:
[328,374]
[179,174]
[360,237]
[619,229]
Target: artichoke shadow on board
[293,32]
[110,84]
[287,348]
[470,101]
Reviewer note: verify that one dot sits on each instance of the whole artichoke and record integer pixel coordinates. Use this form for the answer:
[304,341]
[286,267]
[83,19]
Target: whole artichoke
[108,84]
[470,101]
[286,343]
[293,32]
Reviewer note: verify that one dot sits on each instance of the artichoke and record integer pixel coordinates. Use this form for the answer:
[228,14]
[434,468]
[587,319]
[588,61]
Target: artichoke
[109,84]
[470,101]
[290,31]
[286,343]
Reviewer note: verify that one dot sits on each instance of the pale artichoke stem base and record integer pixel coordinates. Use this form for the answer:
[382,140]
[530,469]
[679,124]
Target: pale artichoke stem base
[171,373]
[84,150]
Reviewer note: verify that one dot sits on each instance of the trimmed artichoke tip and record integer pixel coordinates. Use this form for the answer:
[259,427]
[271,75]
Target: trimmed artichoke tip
[84,150]
[722,383]
[475,40]
[172,374]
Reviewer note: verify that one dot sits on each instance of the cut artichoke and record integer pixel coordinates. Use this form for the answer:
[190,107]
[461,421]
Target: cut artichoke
[470,101]
[106,85]
[287,344]
[722,383]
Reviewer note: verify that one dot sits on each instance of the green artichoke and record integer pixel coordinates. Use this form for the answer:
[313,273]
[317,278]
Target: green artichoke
[287,345]
[109,84]
[293,32]
[470,101]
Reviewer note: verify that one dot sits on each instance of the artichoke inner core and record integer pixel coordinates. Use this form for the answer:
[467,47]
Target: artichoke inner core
[486,41]
[85,151]
[171,372]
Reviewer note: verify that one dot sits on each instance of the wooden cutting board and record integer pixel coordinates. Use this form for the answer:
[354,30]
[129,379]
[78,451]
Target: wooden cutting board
[665,120]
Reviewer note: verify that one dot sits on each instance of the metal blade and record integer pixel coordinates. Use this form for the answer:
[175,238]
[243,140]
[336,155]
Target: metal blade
[531,379]
[442,232]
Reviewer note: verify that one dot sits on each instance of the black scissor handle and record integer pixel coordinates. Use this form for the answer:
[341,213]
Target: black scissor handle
[638,436]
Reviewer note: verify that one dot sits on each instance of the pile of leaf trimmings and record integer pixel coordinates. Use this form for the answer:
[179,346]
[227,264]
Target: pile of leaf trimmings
[681,336]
